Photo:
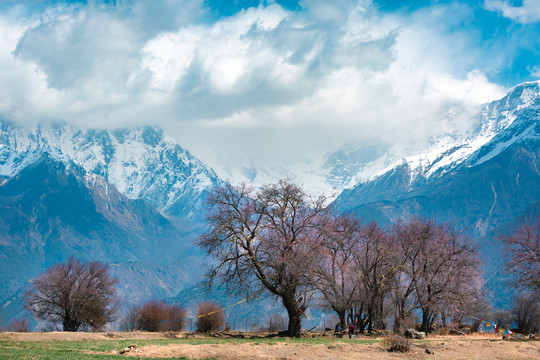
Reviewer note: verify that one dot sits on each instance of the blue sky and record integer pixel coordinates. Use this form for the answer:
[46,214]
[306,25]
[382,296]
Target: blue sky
[285,76]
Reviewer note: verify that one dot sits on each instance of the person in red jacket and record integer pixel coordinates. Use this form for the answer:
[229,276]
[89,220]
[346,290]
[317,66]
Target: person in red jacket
[351,330]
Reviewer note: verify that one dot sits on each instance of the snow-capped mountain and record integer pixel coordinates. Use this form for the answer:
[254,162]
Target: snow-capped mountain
[480,180]
[363,161]
[447,152]
[141,163]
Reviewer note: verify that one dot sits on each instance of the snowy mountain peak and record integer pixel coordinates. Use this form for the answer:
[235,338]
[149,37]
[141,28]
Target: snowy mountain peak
[142,163]
[498,115]
[448,152]
[500,124]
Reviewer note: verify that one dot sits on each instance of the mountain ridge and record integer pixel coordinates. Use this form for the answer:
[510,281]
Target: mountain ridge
[142,163]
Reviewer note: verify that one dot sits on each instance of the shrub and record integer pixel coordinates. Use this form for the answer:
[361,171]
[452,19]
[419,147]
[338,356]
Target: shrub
[154,316]
[19,325]
[210,322]
[397,343]
[176,317]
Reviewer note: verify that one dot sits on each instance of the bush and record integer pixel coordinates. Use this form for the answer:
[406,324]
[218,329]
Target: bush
[19,325]
[176,317]
[154,316]
[210,322]
[397,343]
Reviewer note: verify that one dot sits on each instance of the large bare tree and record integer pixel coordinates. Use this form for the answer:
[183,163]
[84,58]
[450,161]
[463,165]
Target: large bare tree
[262,240]
[74,294]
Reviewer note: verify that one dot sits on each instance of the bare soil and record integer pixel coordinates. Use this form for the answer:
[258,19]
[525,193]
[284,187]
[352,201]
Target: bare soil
[476,346]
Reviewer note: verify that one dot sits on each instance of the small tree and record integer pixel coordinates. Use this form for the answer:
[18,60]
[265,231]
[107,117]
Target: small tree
[375,263]
[209,318]
[177,318]
[132,319]
[441,268]
[74,294]
[526,314]
[153,316]
[503,318]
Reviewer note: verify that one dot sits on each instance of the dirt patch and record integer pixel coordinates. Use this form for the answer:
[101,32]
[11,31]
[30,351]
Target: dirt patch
[476,346]
[278,351]
[448,349]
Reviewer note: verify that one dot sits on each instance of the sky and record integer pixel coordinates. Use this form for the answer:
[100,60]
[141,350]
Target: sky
[265,81]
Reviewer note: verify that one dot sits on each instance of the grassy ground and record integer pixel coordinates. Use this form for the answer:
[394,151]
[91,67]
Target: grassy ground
[107,349]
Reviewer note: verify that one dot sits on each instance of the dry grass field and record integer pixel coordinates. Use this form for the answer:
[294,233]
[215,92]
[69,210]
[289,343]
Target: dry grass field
[60,345]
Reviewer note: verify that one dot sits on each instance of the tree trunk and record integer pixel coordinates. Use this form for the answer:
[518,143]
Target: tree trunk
[399,322]
[70,325]
[443,319]
[426,320]
[294,312]
[370,319]
[342,318]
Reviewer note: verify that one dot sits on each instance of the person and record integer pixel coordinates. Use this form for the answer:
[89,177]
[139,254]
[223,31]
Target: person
[351,330]
[338,328]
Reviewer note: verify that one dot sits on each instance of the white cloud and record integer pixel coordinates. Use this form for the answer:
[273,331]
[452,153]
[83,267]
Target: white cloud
[265,82]
[528,12]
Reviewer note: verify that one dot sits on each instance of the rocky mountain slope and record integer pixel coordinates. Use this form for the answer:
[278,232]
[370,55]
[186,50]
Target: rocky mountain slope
[51,210]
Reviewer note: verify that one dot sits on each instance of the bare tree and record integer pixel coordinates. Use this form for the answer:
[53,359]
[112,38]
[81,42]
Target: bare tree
[375,263]
[524,245]
[132,320]
[441,266]
[526,314]
[503,318]
[209,317]
[332,269]
[262,241]
[276,322]
[74,294]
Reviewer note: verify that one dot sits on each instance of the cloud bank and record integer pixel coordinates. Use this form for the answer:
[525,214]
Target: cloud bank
[265,82]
